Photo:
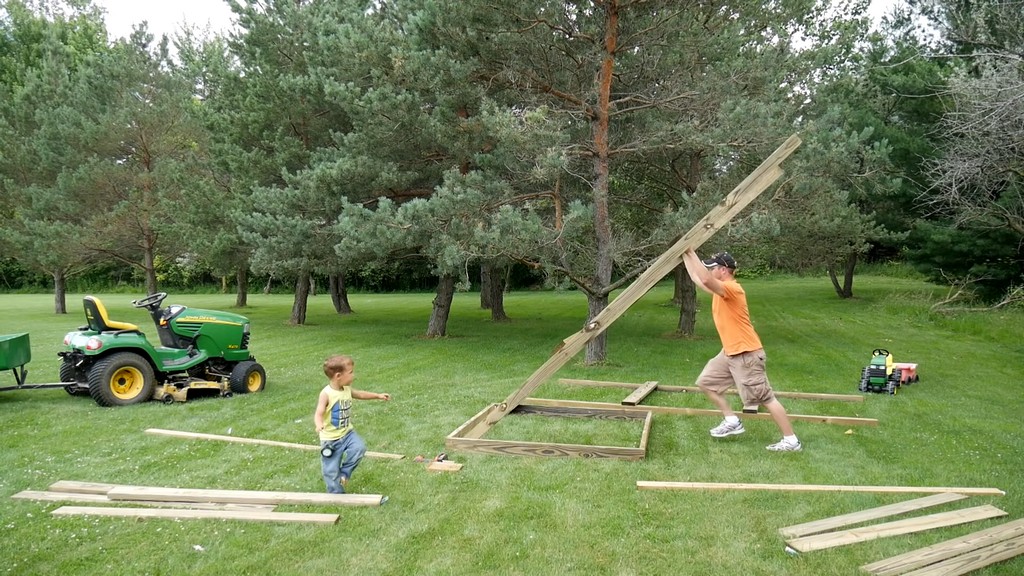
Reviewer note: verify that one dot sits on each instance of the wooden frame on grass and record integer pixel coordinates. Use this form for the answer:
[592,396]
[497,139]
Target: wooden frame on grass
[470,436]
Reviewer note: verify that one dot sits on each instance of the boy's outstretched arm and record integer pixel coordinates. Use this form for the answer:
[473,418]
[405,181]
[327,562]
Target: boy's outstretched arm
[364,395]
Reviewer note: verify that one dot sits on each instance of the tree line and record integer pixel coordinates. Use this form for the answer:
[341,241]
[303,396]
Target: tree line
[328,138]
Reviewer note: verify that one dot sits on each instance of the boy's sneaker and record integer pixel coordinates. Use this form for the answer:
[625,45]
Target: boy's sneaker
[785,446]
[727,428]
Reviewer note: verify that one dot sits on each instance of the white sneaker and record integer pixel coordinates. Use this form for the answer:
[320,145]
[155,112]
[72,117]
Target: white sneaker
[785,446]
[727,428]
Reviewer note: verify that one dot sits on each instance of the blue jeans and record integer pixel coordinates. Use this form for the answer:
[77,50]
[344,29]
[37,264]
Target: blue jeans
[348,451]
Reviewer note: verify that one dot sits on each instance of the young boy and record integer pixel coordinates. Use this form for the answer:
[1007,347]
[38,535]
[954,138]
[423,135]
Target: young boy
[341,448]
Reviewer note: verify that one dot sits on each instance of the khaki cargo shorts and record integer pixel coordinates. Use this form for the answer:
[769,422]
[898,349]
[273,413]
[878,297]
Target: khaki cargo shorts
[745,371]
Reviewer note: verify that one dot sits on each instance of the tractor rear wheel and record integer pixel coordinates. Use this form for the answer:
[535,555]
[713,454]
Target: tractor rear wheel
[121,379]
[69,374]
[247,377]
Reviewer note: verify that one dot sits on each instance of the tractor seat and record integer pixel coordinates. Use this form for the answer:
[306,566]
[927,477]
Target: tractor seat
[96,315]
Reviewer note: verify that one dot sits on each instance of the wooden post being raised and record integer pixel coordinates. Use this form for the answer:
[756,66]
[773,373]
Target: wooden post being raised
[741,196]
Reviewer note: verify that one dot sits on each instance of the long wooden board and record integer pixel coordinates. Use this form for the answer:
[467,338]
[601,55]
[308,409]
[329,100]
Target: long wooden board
[175,514]
[654,485]
[744,193]
[731,391]
[826,524]
[947,549]
[838,420]
[85,498]
[243,440]
[908,526]
[241,496]
[975,559]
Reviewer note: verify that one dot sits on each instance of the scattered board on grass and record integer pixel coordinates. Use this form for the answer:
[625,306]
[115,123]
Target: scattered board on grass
[908,526]
[945,550]
[86,498]
[444,467]
[827,524]
[241,440]
[241,496]
[655,485]
[182,514]
[972,561]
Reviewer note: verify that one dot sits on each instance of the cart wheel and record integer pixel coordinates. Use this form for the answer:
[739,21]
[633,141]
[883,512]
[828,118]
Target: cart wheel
[246,377]
[121,379]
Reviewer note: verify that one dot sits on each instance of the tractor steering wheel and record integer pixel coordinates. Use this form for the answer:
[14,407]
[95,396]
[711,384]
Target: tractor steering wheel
[880,352]
[150,301]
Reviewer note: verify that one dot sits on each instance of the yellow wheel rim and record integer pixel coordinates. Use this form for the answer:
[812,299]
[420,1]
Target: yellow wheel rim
[255,382]
[126,383]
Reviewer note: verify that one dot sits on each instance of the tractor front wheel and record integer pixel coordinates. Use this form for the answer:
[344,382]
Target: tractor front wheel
[865,380]
[247,377]
[121,379]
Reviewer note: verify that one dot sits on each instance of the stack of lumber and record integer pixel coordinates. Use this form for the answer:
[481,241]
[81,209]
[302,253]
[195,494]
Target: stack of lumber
[952,557]
[182,503]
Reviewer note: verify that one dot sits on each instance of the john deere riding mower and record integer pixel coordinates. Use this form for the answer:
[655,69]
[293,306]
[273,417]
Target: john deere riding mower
[115,363]
[881,375]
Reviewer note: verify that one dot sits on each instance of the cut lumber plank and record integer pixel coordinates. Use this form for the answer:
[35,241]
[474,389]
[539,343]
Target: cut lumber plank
[103,499]
[444,467]
[974,560]
[243,440]
[241,496]
[743,194]
[908,526]
[826,524]
[176,514]
[944,550]
[640,393]
[838,420]
[653,485]
[77,487]
[731,391]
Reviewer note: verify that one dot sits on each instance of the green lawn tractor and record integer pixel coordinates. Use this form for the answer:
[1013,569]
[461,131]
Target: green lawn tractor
[884,375]
[115,363]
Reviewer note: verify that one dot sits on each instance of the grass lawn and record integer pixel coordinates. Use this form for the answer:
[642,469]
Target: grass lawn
[959,426]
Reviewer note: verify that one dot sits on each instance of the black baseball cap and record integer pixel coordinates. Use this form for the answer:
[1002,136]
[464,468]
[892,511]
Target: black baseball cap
[721,259]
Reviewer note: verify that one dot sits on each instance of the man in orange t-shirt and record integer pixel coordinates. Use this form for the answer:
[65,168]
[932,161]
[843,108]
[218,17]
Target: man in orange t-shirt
[741,361]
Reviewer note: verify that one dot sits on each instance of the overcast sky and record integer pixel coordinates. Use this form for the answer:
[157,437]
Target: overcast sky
[164,16]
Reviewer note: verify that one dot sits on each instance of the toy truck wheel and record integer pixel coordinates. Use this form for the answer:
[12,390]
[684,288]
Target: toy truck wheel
[247,377]
[121,379]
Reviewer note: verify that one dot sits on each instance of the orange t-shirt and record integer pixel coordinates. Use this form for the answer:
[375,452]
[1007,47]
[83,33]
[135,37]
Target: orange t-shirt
[732,319]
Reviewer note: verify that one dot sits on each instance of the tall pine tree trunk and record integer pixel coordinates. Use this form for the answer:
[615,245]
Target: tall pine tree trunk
[846,290]
[599,125]
[242,291]
[149,264]
[60,292]
[485,286]
[496,287]
[301,299]
[597,349]
[438,325]
[339,293]
[687,291]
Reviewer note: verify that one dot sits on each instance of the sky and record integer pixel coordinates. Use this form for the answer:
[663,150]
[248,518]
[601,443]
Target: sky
[167,16]
[164,16]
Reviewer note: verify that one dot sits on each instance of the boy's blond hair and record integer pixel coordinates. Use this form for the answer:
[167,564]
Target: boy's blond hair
[338,364]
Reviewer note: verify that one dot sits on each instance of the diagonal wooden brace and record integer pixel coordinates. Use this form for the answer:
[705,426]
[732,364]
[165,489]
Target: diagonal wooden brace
[741,196]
